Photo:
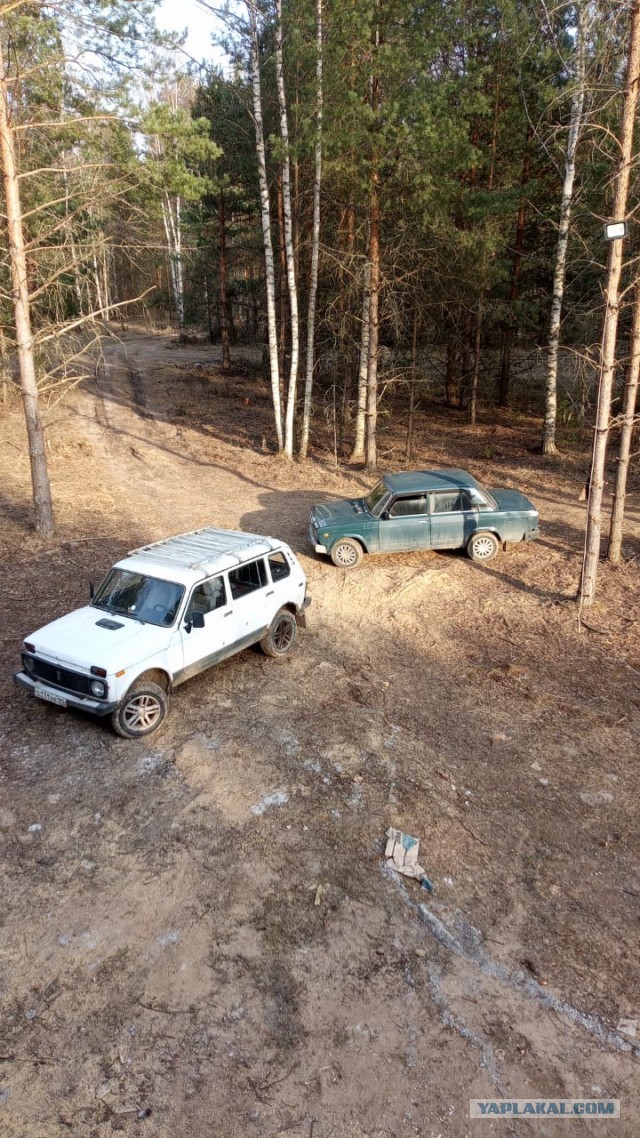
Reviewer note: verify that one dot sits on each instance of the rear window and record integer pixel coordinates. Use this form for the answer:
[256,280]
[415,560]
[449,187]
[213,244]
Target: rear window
[247,578]
[279,567]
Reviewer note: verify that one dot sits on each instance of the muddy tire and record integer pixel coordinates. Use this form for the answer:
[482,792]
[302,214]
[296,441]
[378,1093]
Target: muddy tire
[142,711]
[482,546]
[347,553]
[281,635]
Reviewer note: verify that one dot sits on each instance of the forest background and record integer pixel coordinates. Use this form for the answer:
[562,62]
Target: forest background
[399,202]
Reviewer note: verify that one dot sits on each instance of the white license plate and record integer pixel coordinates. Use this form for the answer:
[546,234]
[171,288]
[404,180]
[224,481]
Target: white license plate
[50,696]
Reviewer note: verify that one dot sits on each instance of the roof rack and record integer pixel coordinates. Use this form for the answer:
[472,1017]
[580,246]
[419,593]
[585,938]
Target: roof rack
[199,548]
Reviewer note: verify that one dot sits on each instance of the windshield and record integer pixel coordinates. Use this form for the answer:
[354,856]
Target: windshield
[146,599]
[375,497]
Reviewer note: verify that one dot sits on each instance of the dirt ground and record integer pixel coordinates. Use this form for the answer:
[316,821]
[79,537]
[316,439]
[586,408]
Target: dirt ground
[165,970]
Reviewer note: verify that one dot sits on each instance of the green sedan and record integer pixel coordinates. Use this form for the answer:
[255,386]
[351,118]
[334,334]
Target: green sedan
[422,509]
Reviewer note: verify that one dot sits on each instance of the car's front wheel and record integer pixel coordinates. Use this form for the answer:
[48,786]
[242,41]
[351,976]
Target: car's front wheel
[281,634]
[346,553]
[482,546]
[143,710]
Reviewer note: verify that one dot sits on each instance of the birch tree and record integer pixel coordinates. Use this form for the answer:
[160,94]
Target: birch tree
[371,414]
[576,123]
[610,327]
[180,149]
[43,506]
[627,423]
[265,214]
[288,238]
[315,243]
[59,169]
[357,453]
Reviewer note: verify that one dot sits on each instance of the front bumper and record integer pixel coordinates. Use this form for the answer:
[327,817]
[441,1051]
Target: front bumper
[71,699]
[312,539]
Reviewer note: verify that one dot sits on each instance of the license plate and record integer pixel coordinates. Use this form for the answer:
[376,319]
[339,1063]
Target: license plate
[49,696]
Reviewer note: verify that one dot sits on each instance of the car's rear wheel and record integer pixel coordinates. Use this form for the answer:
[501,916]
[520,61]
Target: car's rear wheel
[142,711]
[346,553]
[482,546]
[281,635]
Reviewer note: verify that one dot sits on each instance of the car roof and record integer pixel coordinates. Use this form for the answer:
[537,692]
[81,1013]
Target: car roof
[192,556]
[409,481]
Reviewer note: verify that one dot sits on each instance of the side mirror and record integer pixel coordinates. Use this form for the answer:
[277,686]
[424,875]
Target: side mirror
[385,515]
[197,620]
[92,590]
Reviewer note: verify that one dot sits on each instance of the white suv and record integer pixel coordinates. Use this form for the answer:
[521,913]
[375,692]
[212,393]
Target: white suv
[161,615]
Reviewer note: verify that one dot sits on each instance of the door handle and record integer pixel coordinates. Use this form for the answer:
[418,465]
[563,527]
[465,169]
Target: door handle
[229,613]
[270,593]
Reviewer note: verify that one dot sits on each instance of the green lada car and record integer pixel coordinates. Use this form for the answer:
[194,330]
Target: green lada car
[422,509]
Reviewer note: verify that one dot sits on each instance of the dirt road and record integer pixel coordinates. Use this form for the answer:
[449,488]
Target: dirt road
[165,970]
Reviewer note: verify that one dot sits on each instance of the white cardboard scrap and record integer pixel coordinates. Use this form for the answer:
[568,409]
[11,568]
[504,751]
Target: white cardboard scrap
[402,853]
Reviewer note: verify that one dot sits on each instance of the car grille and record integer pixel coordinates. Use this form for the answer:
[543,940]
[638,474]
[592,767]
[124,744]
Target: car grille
[58,677]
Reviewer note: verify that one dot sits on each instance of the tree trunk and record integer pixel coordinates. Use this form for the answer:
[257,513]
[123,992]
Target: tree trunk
[4,371]
[105,279]
[75,261]
[412,385]
[575,127]
[315,246]
[473,398]
[288,240]
[97,280]
[466,368]
[22,315]
[609,332]
[516,269]
[173,232]
[207,308]
[451,375]
[266,223]
[357,453]
[371,458]
[283,311]
[223,318]
[626,433]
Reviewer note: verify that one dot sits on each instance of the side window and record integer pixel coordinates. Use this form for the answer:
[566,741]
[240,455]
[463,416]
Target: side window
[448,502]
[208,596]
[247,578]
[477,501]
[279,567]
[408,507]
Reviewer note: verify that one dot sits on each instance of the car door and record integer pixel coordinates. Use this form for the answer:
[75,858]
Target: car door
[202,646]
[279,592]
[405,524]
[253,609]
[451,519]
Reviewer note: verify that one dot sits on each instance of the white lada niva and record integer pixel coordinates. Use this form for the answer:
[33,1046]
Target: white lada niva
[163,614]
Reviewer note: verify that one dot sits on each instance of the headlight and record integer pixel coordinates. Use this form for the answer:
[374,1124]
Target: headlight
[98,688]
[29,664]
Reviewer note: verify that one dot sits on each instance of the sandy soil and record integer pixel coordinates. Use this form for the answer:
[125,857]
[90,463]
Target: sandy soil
[165,971]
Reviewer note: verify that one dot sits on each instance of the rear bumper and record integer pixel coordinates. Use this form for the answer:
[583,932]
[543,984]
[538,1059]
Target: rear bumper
[71,699]
[531,534]
[301,615]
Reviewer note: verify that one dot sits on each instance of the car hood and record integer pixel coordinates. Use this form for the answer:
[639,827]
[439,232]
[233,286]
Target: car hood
[338,513]
[78,638]
[513,500]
